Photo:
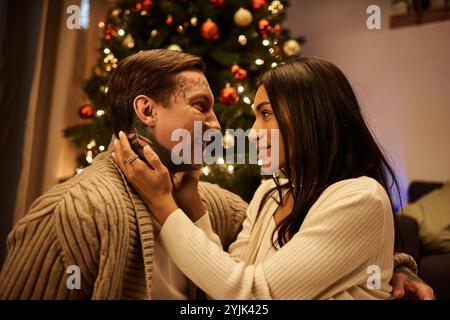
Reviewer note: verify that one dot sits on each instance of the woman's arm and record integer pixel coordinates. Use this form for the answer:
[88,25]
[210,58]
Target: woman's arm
[329,254]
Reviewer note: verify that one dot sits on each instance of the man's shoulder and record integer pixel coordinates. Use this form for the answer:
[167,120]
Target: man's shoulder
[93,190]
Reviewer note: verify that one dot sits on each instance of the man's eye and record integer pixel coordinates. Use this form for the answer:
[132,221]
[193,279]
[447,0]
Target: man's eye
[200,106]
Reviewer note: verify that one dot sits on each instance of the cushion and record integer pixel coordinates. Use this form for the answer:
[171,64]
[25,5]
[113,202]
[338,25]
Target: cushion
[432,213]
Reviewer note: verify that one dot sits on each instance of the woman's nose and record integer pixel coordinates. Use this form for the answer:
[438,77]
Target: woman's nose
[253,134]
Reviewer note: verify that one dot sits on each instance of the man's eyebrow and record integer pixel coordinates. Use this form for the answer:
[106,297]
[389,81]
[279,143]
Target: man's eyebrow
[205,95]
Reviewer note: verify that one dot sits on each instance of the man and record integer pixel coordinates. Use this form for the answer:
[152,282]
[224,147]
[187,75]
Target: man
[92,237]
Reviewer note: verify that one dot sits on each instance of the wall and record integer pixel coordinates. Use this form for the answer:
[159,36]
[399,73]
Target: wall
[401,76]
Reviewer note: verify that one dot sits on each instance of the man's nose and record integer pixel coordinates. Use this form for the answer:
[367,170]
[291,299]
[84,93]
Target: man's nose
[211,121]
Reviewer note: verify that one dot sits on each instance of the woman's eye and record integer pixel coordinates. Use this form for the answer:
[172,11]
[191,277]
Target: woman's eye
[265,114]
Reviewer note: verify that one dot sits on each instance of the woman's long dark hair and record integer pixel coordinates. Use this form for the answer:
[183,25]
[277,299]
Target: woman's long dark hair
[325,133]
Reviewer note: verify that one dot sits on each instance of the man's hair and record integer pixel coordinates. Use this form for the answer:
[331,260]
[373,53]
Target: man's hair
[149,73]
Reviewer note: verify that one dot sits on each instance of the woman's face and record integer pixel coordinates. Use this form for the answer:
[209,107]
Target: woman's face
[266,130]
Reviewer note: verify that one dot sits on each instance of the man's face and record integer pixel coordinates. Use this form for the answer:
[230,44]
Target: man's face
[192,100]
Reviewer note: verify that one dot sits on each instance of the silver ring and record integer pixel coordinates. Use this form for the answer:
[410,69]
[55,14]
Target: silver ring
[131,159]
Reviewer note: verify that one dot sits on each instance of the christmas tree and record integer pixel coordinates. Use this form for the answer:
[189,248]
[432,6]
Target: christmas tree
[237,39]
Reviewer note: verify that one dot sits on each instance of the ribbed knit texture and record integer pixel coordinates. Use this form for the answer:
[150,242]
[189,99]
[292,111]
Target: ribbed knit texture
[97,222]
[348,229]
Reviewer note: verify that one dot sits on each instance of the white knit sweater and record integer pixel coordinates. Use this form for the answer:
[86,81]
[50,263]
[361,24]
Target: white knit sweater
[346,232]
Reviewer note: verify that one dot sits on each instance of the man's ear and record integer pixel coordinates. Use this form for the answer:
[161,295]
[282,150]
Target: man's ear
[145,109]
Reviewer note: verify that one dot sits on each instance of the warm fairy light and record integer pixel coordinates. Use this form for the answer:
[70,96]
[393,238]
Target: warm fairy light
[274,64]
[260,162]
[91,144]
[230,168]
[101,148]
[247,100]
[220,160]
[206,170]
[89,156]
[106,89]
[101,24]
[240,89]
[100,113]
[259,62]
[121,32]
[106,50]
[79,170]
[265,42]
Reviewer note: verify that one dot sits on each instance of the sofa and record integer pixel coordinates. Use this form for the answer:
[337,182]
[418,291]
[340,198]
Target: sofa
[433,265]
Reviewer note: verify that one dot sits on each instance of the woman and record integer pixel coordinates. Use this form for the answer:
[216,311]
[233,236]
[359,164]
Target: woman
[327,232]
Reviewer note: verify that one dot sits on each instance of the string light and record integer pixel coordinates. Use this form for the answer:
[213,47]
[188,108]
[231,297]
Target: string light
[260,162]
[101,24]
[230,168]
[247,100]
[265,42]
[274,64]
[101,148]
[106,50]
[121,32]
[240,89]
[206,170]
[100,113]
[89,156]
[259,62]
[91,144]
[79,170]
[220,160]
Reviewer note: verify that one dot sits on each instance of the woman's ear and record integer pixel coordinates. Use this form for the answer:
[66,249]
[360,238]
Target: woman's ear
[145,109]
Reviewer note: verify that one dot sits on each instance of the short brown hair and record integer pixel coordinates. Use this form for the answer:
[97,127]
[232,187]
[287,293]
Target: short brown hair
[150,73]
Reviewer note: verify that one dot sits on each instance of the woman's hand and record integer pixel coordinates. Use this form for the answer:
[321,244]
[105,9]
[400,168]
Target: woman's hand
[154,186]
[187,194]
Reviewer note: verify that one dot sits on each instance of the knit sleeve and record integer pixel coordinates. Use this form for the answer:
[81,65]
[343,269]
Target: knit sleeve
[36,266]
[330,253]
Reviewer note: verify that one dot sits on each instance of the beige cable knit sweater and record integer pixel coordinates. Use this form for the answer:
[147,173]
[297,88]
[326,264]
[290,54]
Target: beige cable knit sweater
[97,222]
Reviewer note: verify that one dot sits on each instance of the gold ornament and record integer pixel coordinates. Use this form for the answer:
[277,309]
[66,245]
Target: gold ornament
[194,21]
[291,47]
[243,18]
[174,47]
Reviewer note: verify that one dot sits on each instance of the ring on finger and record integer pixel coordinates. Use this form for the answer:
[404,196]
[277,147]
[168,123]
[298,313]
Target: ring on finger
[131,159]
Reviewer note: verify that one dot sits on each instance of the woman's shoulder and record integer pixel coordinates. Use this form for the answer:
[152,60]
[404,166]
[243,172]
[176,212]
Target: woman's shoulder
[355,190]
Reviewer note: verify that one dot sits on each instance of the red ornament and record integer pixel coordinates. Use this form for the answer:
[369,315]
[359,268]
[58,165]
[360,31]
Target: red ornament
[169,20]
[277,29]
[238,73]
[209,30]
[109,32]
[86,111]
[258,4]
[217,3]
[229,96]
[264,27]
[146,5]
